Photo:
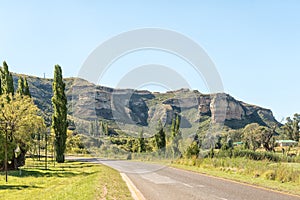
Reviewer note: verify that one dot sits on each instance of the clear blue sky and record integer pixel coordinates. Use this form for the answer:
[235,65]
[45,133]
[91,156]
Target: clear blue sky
[255,45]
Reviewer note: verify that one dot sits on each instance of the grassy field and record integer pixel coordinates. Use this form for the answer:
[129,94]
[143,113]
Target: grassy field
[70,180]
[277,176]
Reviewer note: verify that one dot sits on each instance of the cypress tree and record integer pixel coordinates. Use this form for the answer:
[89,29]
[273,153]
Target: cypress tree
[106,132]
[7,84]
[91,129]
[20,89]
[59,117]
[23,88]
[26,88]
[160,138]
[175,135]
[141,143]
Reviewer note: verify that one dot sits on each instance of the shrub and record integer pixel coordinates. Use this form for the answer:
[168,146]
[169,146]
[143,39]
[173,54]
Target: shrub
[269,174]
[253,155]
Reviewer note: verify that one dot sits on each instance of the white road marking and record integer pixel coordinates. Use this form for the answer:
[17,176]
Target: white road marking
[135,193]
[202,186]
[222,198]
[158,179]
[187,185]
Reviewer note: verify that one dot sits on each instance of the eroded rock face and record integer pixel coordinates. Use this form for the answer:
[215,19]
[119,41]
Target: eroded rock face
[224,107]
[89,102]
[126,106]
[134,107]
[204,105]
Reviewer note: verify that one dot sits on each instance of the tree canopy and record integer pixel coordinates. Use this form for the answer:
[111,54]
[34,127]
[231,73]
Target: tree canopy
[19,119]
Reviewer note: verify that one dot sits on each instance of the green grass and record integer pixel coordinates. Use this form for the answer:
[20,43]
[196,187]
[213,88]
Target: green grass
[70,180]
[276,176]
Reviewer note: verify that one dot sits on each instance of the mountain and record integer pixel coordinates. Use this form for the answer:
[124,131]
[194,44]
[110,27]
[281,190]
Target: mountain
[88,102]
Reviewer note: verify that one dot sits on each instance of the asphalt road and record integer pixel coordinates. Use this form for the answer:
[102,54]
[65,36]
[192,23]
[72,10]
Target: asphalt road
[167,183]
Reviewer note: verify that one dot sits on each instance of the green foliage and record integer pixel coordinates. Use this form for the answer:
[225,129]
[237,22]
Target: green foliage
[192,150]
[288,173]
[75,144]
[20,121]
[26,88]
[141,143]
[246,153]
[91,128]
[23,88]
[59,117]
[291,128]
[252,136]
[7,84]
[211,153]
[175,136]
[20,89]
[160,138]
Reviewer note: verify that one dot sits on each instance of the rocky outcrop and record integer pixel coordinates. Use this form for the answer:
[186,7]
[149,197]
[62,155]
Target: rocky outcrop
[89,102]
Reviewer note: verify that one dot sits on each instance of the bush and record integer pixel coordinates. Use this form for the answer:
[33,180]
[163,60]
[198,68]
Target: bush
[269,174]
[283,172]
[225,153]
[253,155]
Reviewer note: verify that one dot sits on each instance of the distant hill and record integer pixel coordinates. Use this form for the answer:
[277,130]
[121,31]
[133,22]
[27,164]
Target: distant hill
[88,102]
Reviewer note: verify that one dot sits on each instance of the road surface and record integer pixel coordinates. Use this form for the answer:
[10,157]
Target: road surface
[157,182]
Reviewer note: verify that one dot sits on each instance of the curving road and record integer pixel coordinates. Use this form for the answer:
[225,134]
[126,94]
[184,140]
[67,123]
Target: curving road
[160,182]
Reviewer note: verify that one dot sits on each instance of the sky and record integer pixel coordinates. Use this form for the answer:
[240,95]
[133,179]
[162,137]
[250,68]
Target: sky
[255,45]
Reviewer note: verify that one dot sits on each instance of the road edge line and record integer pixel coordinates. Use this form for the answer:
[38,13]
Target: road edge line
[135,193]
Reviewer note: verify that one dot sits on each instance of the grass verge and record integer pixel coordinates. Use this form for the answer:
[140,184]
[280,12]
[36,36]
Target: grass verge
[243,174]
[70,180]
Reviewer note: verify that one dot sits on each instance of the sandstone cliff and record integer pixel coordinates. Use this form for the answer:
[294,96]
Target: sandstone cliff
[89,102]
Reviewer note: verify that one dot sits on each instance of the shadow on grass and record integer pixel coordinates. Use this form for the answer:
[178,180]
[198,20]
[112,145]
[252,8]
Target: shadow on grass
[61,172]
[16,187]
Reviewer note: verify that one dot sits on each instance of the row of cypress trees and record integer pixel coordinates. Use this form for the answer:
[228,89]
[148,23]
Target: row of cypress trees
[59,102]
[7,83]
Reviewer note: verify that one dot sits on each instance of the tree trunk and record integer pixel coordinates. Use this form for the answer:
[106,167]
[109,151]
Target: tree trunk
[60,157]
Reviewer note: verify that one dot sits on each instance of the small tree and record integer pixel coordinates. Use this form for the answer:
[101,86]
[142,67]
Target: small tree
[19,121]
[141,143]
[192,150]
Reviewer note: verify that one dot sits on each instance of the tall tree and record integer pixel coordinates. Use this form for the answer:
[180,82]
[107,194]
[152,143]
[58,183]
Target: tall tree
[7,84]
[175,136]
[141,143]
[26,88]
[106,132]
[20,89]
[252,136]
[160,138]
[59,117]
[91,129]
[291,127]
